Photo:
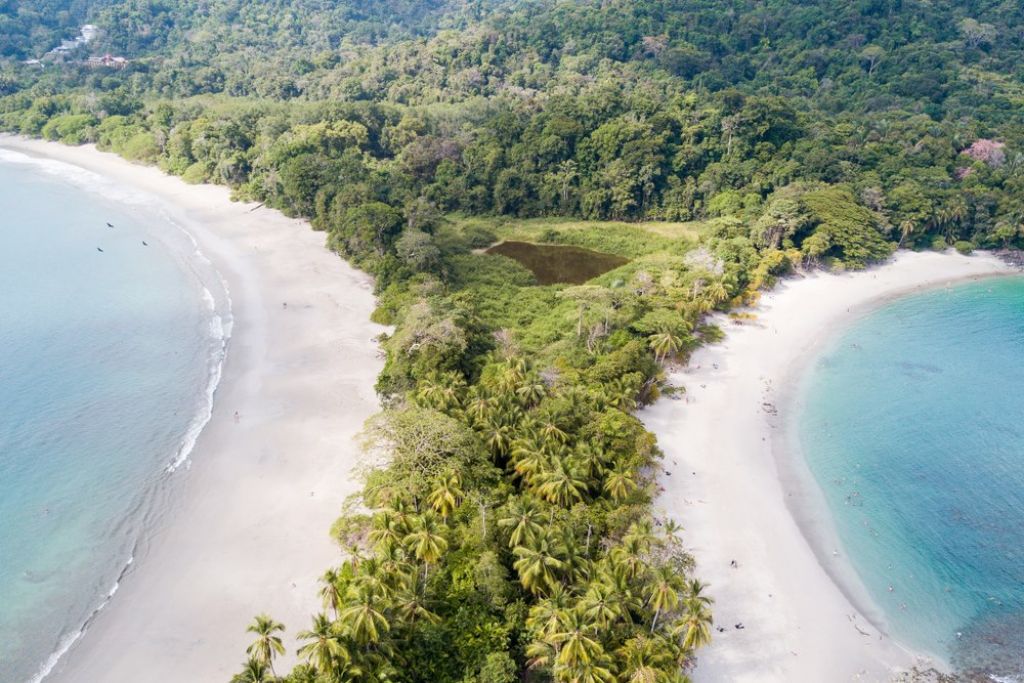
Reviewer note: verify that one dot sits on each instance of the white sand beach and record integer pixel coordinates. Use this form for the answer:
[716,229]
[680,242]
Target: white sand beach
[248,529]
[729,480]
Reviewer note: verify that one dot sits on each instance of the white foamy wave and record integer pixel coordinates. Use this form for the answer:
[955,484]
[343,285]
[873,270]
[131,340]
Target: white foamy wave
[221,325]
[217,332]
[71,638]
[220,330]
[77,176]
[208,299]
[216,327]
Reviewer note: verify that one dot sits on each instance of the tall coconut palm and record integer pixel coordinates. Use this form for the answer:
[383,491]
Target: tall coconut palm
[446,495]
[646,659]
[324,651]
[663,593]
[601,605]
[664,344]
[529,459]
[577,640]
[589,460]
[331,590]
[531,391]
[480,406]
[907,228]
[540,654]
[552,433]
[364,618]
[717,292]
[387,530]
[620,483]
[426,541]
[253,671]
[694,628]
[267,644]
[412,607]
[629,558]
[525,519]
[562,484]
[549,614]
[497,436]
[538,565]
[372,575]
[395,566]
[594,671]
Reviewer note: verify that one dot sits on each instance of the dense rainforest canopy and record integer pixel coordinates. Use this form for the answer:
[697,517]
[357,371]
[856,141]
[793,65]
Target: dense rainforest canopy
[713,143]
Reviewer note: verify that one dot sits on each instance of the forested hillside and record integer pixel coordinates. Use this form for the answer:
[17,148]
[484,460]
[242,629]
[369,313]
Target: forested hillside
[730,141]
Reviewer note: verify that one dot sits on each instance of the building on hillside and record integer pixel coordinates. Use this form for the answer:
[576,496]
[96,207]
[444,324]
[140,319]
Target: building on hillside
[108,61]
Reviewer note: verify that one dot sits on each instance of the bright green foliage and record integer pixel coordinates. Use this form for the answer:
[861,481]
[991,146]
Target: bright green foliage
[716,144]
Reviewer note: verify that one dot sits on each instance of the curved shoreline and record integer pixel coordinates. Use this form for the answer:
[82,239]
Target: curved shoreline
[728,479]
[807,499]
[246,526]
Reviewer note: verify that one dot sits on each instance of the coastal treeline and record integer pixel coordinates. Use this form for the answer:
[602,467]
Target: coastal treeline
[508,532]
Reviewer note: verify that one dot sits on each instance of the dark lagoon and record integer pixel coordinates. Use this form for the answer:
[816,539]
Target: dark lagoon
[558,263]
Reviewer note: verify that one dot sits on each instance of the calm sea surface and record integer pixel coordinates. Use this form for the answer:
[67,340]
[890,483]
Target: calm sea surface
[108,361]
[913,426]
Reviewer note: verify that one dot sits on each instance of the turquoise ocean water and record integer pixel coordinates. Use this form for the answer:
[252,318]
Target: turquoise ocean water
[108,362]
[912,423]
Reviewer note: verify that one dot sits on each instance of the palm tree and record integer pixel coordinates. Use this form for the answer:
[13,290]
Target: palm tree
[441,391]
[552,433]
[620,589]
[562,484]
[480,407]
[528,459]
[537,565]
[717,292]
[590,460]
[596,671]
[412,606]
[601,605]
[267,644]
[906,230]
[695,625]
[254,671]
[394,566]
[331,590]
[531,391]
[540,654]
[664,344]
[577,640]
[364,617]
[645,659]
[629,558]
[387,530]
[548,615]
[446,497]
[620,483]
[497,436]
[324,651]
[372,575]
[524,517]
[426,541]
[663,592]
